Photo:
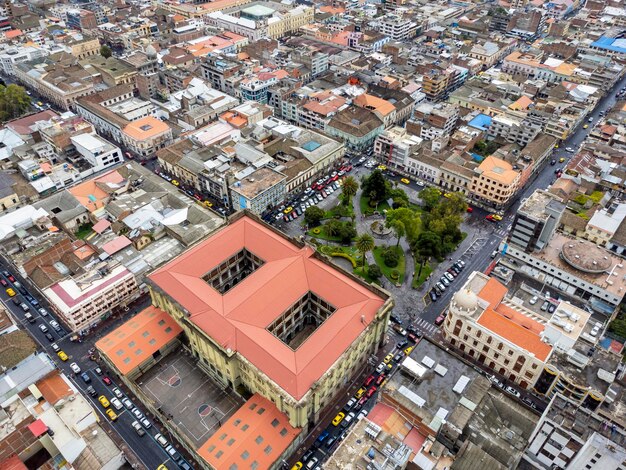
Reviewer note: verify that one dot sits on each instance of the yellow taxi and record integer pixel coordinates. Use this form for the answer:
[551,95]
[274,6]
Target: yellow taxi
[161,467]
[359,393]
[338,418]
[447,195]
[62,356]
[103,401]
[10,292]
[497,217]
[208,203]
[556,146]
[561,160]
[288,210]
[297,466]
[585,126]
[408,350]
[388,358]
[175,183]
[381,167]
[111,414]
[405,180]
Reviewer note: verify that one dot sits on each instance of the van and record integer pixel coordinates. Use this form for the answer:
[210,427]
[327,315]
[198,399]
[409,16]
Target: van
[30,318]
[138,429]
[116,403]
[43,328]
[161,440]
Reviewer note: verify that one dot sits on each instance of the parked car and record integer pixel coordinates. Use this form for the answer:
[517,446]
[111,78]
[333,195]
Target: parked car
[545,306]
[533,300]
[512,391]
[138,429]
[433,295]
[75,368]
[85,377]
[439,320]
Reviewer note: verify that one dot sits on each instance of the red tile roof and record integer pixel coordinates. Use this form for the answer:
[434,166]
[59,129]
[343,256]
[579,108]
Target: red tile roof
[116,245]
[23,125]
[238,319]
[257,432]
[137,339]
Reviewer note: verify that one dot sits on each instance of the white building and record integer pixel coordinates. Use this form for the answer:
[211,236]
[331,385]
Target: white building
[14,55]
[98,152]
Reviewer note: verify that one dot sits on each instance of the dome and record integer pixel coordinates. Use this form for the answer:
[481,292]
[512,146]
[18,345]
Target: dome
[465,299]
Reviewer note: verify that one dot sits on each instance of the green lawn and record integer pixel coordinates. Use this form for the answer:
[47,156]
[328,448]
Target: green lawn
[359,272]
[367,210]
[426,270]
[340,210]
[387,270]
[83,231]
[322,235]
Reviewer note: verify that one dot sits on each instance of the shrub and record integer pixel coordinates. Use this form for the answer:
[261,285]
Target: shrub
[348,257]
[390,257]
[395,275]
[374,271]
[317,230]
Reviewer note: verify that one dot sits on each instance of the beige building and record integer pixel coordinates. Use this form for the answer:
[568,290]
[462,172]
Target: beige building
[495,182]
[86,48]
[267,313]
[147,135]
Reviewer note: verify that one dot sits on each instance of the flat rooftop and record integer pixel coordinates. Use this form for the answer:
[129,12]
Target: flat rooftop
[535,205]
[552,254]
[257,182]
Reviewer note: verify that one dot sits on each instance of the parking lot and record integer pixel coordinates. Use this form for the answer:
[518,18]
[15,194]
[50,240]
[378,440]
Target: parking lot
[192,400]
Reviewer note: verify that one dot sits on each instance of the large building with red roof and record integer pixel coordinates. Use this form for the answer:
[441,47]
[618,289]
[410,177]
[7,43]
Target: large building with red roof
[268,313]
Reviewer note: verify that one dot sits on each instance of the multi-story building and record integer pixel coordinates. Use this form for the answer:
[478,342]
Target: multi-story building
[308,327]
[577,267]
[318,109]
[573,437]
[357,127]
[11,56]
[98,152]
[395,146]
[220,72]
[81,302]
[514,128]
[495,182]
[84,48]
[145,136]
[397,27]
[543,351]
[258,191]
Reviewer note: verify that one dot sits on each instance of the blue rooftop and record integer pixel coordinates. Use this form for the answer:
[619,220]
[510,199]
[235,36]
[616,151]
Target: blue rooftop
[311,145]
[482,122]
[611,44]
[477,158]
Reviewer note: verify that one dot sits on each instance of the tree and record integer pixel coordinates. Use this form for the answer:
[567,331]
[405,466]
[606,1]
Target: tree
[333,227]
[347,232]
[430,197]
[453,204]
[105,51]
[427,245]
[398,227]
[349,189]
[390,257]
[399,197]
[409,218]
[313,216]
[374,272]
[364,243]
[14,101]
[376,187]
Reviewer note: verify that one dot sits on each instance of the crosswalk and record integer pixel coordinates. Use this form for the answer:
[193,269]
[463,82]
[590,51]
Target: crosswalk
[501,232]
[425,326]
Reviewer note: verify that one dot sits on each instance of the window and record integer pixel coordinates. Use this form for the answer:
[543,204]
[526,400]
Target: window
[275,423]
[258,439]
[222,437]
[244,427]
[245,454]
[268,450]
[230,442]
[283,432]
[219,454]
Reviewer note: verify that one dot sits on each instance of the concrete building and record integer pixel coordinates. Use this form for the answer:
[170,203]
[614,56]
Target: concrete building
[536,220]
[357,127]
[258,190]
[494,183]
[397,27]
[98,152]
[82,301]
[327,319]
[145,136]
[395,148]
[572,437]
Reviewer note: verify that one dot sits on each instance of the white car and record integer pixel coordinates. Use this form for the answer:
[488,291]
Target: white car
[138,414]
[75,368]
[117,392]
[362,415]
[533,300]
[512,391]
[569,149]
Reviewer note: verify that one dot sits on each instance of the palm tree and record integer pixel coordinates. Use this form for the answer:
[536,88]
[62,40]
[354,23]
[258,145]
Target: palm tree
[349,189]
[364,243]
[333,227]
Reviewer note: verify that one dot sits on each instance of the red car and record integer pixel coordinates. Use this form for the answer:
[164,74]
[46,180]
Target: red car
[380,379]
[469,209]
[369,380]
[362,401]
[11,278]
[439,320]
[107,380]
[4,283]
[371,392]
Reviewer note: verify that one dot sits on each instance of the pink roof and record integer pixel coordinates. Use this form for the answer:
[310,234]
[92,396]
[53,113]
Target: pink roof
[414,440]
[288,273]
[116,245]
[71,301]
[37,427]
[101,226]
[23,126]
